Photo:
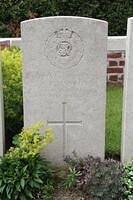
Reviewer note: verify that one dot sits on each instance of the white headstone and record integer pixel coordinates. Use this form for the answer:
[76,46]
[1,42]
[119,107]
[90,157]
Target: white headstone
[64,74]
[2,133]
[127,129]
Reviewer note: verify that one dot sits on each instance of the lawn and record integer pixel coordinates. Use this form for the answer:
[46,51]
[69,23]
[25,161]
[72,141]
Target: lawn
[113,120]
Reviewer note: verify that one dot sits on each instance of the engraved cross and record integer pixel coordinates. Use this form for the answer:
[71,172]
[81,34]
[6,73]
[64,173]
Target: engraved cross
[64,123]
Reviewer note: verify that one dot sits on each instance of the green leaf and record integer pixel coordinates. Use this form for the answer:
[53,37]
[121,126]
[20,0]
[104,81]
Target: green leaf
[22,197]
[22,182]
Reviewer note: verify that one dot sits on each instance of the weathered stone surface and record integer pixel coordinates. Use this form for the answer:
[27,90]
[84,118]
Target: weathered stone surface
[64,74]
[127,129]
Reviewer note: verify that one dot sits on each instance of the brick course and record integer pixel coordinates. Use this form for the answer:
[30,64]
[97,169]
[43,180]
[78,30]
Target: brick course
[114,55]
[112,63]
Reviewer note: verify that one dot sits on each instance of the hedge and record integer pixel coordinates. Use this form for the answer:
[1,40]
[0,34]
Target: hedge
[12,12]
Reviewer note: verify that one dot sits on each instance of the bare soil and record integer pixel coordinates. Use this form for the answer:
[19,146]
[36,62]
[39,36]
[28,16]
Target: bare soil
[65,195]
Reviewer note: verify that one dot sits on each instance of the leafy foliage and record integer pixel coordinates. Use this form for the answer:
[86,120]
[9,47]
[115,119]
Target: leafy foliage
[30,143]
[19,10]
[98,179]
[46,192]
[12,85]
[116,12]
[24,174]
[21,178]
[128,181]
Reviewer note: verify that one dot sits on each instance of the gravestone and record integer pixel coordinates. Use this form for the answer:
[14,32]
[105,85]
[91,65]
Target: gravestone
[64,75]
[2,133]
[127,127]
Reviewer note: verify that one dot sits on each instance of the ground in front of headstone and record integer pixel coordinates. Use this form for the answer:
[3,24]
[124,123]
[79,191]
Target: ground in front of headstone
[67,195]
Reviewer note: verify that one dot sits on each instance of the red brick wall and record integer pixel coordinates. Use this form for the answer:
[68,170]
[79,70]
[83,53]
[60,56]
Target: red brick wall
[115,68]
[4,44]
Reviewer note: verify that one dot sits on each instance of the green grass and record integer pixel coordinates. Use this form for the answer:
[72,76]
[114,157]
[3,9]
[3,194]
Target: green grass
[113,120]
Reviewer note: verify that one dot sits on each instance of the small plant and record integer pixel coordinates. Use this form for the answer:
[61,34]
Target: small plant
[71,178]
[100,180]
[23,173]
[46,192]
[128,181]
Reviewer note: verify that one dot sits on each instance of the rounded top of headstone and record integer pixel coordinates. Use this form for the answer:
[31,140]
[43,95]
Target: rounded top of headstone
[63,37]
[64,18]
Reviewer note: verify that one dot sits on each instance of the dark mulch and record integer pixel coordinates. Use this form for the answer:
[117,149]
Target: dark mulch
[67,195]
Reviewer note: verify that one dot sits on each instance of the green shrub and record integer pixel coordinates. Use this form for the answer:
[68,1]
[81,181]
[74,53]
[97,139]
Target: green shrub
[100,180]
[12,84]
[128,181]
[12,80]
[30,142]
[24,175]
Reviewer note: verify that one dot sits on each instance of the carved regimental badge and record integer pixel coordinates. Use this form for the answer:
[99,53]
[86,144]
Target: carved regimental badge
[64,48]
